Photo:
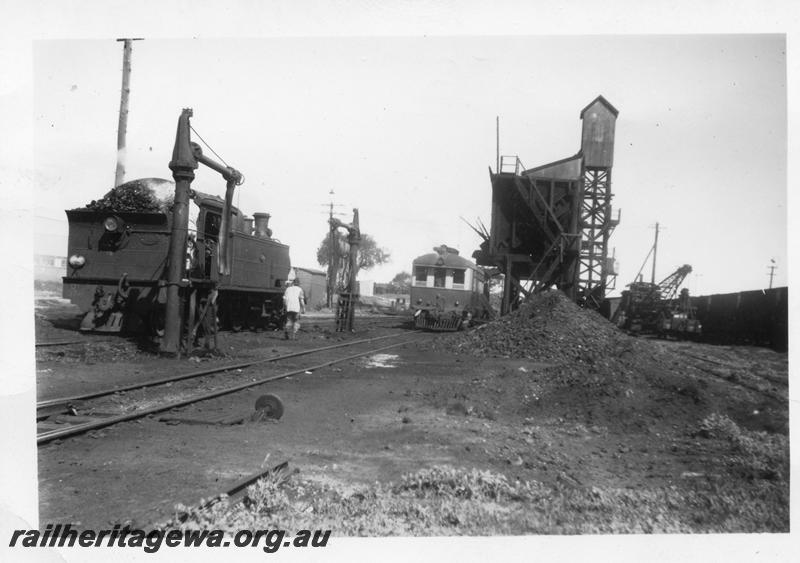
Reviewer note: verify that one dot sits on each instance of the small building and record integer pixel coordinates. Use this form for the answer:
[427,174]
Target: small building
[366,288]
[49,268]
[314,284]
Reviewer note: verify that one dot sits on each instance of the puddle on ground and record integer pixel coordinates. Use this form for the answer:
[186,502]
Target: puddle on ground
[381,361]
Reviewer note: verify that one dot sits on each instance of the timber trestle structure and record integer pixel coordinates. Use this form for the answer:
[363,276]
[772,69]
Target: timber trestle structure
[551,224]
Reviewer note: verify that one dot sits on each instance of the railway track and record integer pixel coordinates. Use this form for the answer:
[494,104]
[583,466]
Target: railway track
[67,342]
[63,417]
[90,338]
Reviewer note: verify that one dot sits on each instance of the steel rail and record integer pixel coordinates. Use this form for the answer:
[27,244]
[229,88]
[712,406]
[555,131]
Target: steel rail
[742,384]
[776,380]
[94,425]
[200,373]
[68,342]
[93,341]
[235,491]
[240,486]
[61,343]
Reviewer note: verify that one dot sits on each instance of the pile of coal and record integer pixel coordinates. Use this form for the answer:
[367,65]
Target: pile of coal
[136,196]
[549,327]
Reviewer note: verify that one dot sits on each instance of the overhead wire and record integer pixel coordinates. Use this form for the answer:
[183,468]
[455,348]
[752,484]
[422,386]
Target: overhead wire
[209,146]
[222,160]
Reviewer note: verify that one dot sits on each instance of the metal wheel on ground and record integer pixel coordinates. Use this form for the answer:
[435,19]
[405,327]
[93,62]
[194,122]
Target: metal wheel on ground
[269,406]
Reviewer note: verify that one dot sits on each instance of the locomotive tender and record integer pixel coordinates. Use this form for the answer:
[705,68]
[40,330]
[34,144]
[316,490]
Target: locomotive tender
[118,262]
[448,291]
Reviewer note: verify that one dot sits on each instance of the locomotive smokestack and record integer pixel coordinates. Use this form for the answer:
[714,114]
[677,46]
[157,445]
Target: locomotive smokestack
[261,225]
[248,225]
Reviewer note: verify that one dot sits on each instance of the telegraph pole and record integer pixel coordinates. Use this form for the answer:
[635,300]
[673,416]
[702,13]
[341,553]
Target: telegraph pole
[655,250]
[333,250]
[122,129]
[331,254]
[772,268]
[497,134]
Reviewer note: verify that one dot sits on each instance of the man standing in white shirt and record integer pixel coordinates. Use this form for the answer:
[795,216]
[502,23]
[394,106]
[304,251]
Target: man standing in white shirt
[294,301]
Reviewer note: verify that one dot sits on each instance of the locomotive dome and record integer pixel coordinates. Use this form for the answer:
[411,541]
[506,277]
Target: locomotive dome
[444,256]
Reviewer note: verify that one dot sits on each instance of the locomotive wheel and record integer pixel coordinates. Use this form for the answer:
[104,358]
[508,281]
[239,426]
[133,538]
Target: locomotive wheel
[269,406]
[157,320]
[224,313]
[254,316]
[239,315]
[250,311]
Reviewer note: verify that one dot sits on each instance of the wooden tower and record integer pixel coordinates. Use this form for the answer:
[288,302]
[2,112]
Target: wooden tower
[597,150]
[551,224]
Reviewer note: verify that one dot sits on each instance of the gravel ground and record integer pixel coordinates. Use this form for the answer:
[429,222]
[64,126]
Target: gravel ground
[552,396]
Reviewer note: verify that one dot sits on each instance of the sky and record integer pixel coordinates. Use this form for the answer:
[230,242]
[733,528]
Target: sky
[405,129]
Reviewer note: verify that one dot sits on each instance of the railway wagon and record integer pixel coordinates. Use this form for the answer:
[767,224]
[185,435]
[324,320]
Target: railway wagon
[117,268]
[448,292]
[758,317]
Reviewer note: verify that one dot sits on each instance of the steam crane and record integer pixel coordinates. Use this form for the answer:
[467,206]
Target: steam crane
[668,288]
[653,308]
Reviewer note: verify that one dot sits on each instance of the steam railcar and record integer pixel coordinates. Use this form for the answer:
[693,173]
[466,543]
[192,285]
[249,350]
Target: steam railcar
[117,268]
[448,292]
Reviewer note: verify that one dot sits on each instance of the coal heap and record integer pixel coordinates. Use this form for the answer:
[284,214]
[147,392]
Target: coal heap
[549,327]
[136,196]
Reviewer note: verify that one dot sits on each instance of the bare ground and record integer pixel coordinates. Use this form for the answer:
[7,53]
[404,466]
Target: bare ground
[639,424]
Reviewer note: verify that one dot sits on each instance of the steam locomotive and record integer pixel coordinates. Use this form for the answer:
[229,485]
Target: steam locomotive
[117,267]
[448,292]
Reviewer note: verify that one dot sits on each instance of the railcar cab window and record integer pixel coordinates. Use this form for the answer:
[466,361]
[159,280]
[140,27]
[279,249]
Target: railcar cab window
[439,277]
[420,275]
[458,278]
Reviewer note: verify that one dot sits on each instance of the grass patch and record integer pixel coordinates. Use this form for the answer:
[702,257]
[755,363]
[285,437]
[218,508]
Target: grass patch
[450,501]
[753,455]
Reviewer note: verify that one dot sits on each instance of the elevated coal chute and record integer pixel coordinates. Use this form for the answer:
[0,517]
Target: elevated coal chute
[551,224]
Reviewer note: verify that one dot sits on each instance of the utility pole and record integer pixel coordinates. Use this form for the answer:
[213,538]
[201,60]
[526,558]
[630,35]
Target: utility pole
[772,268]
[334,257]
[122,129]
[497,128]
[655,250]
[331,254]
